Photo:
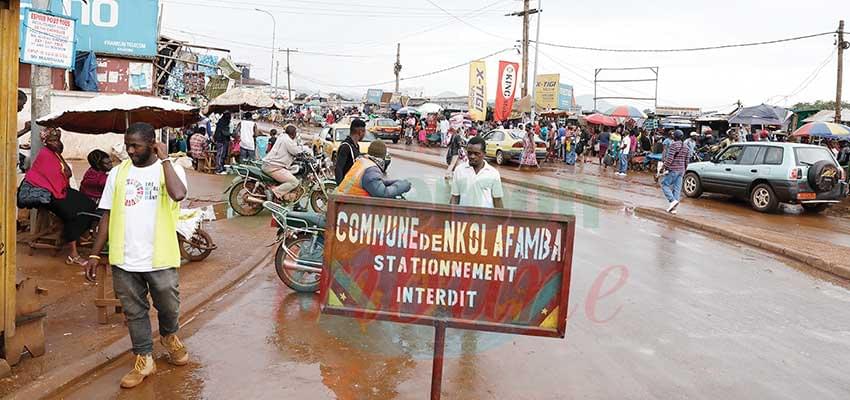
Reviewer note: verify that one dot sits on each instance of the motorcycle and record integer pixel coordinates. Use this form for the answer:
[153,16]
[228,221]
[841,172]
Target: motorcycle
[253,187]
[300,238]
[299,258]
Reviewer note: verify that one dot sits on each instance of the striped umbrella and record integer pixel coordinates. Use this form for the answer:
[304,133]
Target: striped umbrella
[625,112]
[826,130]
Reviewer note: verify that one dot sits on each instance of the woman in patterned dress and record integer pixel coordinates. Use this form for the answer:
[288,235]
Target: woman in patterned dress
[529,156]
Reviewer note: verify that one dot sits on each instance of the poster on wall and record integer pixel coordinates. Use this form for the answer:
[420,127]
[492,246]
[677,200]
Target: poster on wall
[109,27]
[141,77]
[48,40]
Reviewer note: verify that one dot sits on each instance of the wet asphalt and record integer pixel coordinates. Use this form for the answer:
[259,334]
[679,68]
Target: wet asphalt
[656,312]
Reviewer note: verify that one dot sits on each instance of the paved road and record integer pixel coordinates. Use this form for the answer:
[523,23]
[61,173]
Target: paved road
[657,312]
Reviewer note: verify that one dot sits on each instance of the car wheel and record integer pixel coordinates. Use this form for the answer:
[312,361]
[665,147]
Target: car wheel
[500,158]
[692,185]
[815,208]
[763,199]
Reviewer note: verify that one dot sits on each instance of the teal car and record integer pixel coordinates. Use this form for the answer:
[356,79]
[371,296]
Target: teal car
[768,173]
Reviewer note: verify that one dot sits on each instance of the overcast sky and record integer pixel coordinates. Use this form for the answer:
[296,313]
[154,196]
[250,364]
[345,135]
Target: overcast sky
[781,74]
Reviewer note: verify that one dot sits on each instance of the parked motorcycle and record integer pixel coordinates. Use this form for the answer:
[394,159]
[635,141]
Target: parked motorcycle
[301,243]
[253,187]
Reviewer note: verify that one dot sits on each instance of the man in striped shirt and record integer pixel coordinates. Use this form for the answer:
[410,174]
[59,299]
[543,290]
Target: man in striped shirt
[675,162]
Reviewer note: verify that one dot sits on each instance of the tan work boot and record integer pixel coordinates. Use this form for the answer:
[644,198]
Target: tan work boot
[144,367]
[177,353]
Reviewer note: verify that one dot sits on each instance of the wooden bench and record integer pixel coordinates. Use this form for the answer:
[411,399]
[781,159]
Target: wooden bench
[105,299]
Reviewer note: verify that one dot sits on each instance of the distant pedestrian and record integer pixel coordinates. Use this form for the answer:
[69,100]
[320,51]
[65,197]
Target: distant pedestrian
[528,158]
[604,140]
[675,163]
[625,150]
[222,142]
[349,150]
[141,203]
[454,154]
[248,132]
[476,183]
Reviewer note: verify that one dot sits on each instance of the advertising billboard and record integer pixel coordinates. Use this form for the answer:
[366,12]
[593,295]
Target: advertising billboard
[478,90]
[546,96]
[110,27]
[373,96]
[506,90]
[566,101]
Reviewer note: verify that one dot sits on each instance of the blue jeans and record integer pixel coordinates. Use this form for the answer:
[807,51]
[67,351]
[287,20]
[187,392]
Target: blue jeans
[624,163]
[671,185]
[246,155]
[220,156]
[132,289]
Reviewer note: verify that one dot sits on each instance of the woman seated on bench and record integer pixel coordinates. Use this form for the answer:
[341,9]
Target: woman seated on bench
[95,178]
[49,171]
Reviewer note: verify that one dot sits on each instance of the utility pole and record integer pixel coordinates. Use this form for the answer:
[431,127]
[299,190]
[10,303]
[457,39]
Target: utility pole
[41,86]
[288,77]
[525,13]
[536,57]
[397,67]
[842,45]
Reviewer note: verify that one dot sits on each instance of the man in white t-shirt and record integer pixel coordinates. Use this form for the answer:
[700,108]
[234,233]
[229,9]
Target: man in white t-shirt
[141,207]
[476,183]
[248,132]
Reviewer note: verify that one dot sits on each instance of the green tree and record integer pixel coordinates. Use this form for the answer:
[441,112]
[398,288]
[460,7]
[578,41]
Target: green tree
[819,105]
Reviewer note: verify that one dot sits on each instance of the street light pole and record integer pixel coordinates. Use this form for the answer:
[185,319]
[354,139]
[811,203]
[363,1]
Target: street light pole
[272,79]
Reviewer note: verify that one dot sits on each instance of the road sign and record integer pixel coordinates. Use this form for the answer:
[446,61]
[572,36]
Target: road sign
[472,268]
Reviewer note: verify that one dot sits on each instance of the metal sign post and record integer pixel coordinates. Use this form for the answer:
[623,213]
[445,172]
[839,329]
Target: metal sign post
[437,367]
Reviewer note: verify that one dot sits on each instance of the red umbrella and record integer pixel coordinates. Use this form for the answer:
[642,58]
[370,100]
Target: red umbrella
[600,119]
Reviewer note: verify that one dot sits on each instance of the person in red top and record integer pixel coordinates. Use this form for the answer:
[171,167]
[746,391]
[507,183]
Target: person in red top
[94,179]
[49,171]
[330,118]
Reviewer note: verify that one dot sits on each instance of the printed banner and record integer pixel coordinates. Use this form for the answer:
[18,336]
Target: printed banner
[546,95]
[478,90]
[474,268]
[505,92]
[48,40]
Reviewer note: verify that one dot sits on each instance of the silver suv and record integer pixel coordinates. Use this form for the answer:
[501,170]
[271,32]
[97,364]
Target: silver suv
[768,173]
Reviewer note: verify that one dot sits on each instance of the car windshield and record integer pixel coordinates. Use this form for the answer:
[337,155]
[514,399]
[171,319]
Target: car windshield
[386,122]
[518,135]
[810,155]
[342,133]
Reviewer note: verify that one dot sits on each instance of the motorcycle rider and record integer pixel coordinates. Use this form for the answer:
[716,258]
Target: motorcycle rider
[349,150]
[368,176]
[277,162]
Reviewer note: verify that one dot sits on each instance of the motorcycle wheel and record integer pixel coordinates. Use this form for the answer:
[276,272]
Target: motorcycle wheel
[319,201]
[198,247]
[299,281]
[238,200]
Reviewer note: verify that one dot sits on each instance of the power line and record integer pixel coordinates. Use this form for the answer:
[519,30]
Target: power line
[809,79]
[407,78]
[312,11]
[467,23]
[725,46]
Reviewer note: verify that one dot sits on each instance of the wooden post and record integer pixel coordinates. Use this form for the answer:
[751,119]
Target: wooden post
[437,367]
[525,48]
[9,25]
